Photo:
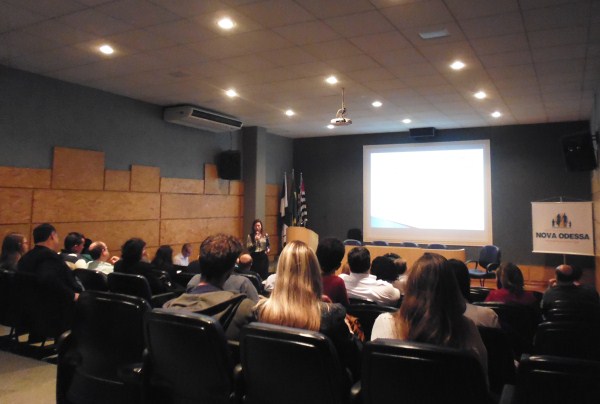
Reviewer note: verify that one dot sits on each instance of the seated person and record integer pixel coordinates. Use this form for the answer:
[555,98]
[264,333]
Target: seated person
[74,244]
[163,259]
[566,288]
[362,285]
[102,261]
[14,246]
[244,267]
[183,258]
[218,254]
[511,283]
[330,253]
[386,269]
[134,261]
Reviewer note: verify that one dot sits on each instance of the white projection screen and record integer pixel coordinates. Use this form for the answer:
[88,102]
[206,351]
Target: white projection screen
[428,193]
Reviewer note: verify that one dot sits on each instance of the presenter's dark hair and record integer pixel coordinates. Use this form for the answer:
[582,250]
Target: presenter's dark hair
[73,239]
[132,250]
[218,254]
[359,260]
[330,253]
[42,232]
[262,226]
[461,272]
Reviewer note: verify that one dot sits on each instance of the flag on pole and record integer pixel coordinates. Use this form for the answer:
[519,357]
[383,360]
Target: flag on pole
[294,201]
[302,211]
[284,211]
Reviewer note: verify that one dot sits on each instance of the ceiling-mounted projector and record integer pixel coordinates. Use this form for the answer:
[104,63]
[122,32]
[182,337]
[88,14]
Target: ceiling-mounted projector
[340,117]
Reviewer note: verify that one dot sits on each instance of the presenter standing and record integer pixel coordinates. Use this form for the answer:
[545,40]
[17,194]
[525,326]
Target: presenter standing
[259,246]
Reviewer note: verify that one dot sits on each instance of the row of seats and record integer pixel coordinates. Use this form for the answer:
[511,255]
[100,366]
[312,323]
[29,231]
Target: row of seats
[432,246]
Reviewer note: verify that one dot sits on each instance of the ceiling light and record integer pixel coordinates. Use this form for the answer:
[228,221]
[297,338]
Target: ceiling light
[226,23]
[406,120]
[331,80]
[107,49]
[330,126]
[480,95]
[376,104]
[496,114]
[231,93]
[434,34]
[457,65]
[289,112]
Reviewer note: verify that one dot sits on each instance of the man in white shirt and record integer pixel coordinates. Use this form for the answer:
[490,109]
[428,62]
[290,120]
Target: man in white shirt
[362,285]
[183,258]
[102,261]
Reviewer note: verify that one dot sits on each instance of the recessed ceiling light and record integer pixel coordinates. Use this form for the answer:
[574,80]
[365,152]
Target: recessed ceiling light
[376,104]
[231,93]
[406,120]
[434,34]
[289,112]
[457,65]
[496,114]
[330,126]
[331,79]
[106,49]
[226,23]
[480,95]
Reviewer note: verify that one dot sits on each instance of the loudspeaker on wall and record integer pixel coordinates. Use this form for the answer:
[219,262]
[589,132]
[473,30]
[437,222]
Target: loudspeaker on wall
[229,165]
[579,152]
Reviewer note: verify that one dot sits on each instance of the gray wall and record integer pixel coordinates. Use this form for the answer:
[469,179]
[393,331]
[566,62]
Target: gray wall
[280,154]
[527,165]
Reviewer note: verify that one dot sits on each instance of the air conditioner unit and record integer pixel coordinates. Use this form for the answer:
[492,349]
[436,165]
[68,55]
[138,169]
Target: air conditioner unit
[200,118]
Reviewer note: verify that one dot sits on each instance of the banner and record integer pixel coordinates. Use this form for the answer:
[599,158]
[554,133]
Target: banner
[562,228]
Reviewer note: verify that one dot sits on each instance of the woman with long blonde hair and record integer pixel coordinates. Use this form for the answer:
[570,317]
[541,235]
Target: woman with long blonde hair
[296,301]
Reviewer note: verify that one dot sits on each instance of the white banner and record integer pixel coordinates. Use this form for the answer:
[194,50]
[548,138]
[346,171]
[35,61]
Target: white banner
[562,228]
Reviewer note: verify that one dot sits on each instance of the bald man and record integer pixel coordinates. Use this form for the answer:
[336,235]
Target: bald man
[567,289]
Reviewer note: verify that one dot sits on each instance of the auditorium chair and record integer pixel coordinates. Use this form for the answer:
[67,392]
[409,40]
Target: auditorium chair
[396,371]
[564,310]
[8,314]
[410,244]
[489,260]
[289,365]
[501,358]
[367,314]
[187,359]
[350,241]
[136,285]
[183,278]
[381,243]
[254,278]
[103,346]
[436,246]
[545,379]
[92,279]
[574,339]
[477,294]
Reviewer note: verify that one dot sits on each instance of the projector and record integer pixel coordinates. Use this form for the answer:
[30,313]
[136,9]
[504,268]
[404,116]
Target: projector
[341,121]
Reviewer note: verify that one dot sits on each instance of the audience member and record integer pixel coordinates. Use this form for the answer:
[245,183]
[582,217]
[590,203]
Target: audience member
[481,316]
[296,302]
[566,288]
[102,261]
[243,267]
[183,258]
[14,246]
[385,268]
[234,283]
[218,254]
[52,271]
[134,261]
[330,253]
[511,287]
[163,259]
[71,254]
[355,234]
[432,311]
[362,285]
[85,253]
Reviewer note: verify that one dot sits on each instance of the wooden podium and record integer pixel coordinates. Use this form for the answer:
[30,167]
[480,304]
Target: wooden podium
[303,234]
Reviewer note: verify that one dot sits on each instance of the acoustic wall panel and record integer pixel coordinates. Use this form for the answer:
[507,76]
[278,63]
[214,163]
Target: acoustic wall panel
[179,231]
[272,190]
[236,188]
[145,179]
[16,205]
[213,185]
[117,180]
[23,228]
[181,186]
[177,206]
[16,177]
[77,169]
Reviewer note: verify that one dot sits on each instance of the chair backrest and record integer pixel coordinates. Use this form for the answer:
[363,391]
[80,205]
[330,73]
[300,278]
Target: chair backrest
[549,379]
[188,359]
[436,246]
[565,310]
[351,241]
[7,298]
[129,284]
[410,244]
[575,339]
[410,372]
[92,279]
[489,254]
[501,358]
[380,243]
[367,314]
[477,294]
[289,365]
[254,278]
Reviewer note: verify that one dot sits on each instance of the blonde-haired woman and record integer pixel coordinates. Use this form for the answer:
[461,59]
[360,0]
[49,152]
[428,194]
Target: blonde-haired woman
[296,301]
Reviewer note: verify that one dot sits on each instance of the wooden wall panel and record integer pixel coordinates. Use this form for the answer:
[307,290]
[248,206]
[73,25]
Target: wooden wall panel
[145,179]
[77,169]
[86,206]
[117,180]
[15,177]
[114,234]
[179,231]
[272,190]
[177,206]
[271,225]
[16,205]
[236,188]
[23,228]
[271,205]
[213,185]
[181,186]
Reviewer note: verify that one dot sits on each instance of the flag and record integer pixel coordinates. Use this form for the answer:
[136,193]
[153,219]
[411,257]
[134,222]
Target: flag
[294,201]
[284,211]
[302,211]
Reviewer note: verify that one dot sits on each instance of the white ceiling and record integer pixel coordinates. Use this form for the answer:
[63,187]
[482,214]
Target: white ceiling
[538,60]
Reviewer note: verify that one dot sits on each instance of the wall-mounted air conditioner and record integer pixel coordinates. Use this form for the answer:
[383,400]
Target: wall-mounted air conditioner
[201,119]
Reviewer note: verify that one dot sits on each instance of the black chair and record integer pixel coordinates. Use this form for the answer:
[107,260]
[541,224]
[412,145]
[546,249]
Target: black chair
[187,360]
[553,380]
[519,321]
[92,279]
[478,294]
[501,358]
[381,243]
[410,244]
[436,246]
[136,285]
[8,308]
[352,242]
[107,337]
[183,278]
[395,371]
[254,278]
[574,339]
[564,310]
[288,365]
[367,314]
[489,261]
[354,300]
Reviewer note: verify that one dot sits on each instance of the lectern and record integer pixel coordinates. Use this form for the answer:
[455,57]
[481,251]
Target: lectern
[303,234]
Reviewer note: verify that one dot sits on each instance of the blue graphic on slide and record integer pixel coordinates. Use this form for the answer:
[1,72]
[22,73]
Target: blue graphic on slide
[381,223]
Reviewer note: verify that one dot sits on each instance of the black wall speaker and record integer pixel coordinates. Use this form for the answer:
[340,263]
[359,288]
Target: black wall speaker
[422,132]
[229,165]
[579,152]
